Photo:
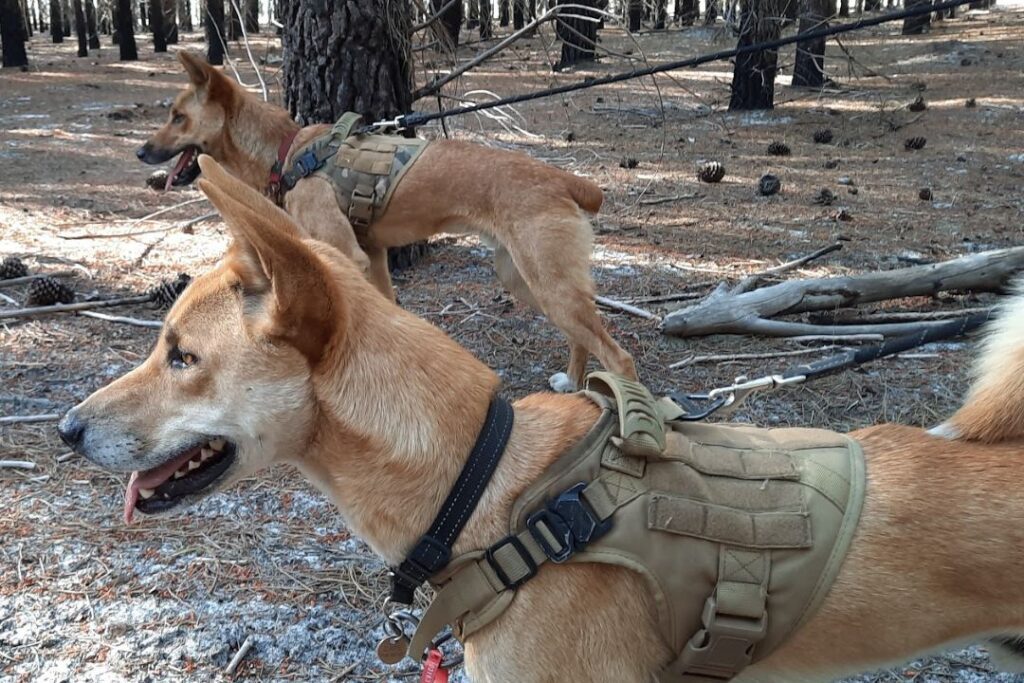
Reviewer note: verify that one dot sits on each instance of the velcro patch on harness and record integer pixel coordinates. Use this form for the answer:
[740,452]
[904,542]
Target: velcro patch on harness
[762,530]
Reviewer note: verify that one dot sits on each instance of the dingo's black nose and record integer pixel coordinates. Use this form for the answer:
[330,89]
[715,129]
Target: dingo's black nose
[141,153]
[71,429]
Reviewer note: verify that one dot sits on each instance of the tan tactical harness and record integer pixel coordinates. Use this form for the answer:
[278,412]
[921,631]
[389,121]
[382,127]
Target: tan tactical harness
[364,169]
[738,531]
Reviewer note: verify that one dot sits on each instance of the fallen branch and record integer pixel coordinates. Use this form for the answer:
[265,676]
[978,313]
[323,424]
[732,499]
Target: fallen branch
[844,338]
[662,298]
[17,464]
[719,357]
[15,281]
[846,317]
[37,311]
[726,311]
[137,322]
[28,419]
[673,198]
[437,15]
[749,282]
[625,308]
[239,656]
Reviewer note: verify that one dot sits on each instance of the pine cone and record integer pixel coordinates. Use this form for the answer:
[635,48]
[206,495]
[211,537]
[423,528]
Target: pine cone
[710,172]
[12,267]
[971,103]
[914,143]
[628,162]
[925,194]
[769,185]
[157,180]
[46,291]
[165,293]
[825,197]
[823,136]
[918,104]
[778,149]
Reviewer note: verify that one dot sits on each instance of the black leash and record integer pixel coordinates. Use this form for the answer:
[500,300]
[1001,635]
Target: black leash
[414,119]
[700,406]
[434,550]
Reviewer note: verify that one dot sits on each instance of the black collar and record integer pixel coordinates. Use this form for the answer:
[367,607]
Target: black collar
[434,550]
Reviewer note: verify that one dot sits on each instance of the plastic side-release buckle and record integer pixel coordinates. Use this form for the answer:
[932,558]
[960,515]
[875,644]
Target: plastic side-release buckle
[569,522]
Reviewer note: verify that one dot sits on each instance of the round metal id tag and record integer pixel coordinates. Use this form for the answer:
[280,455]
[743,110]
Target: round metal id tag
[392,649]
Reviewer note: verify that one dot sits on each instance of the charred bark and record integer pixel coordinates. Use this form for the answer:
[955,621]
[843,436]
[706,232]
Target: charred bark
[12,34]
[753,80]
[914,26]
[90,24]
[80,30]
[450,20]
[56,22]
[635,14]
[170,21]
[485,19]
[809,70]
[578,33]
[252,16]
[234,21]
[215,31]
[156,25]
[185,15]
[129,52]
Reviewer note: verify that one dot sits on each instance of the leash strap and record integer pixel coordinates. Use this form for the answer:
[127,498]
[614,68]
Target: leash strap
[276,171]
[434,550]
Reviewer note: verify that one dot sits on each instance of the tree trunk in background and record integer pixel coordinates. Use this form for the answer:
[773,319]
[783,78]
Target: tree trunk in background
[66,17]
[80,30]
[518,14]
[26,18]
[711,12]
[809,70]
[252,16]
[503,12]
[660,14]
[913,26]
[363,65]
[143,15]
[635,14]
[844,8]
[486,22]
[687,11]
[185,15]
[753,79]
[872,5]
[90,24]
[215,31]
[156,24]
[170,21]
[126,31]
[56,22]
[450,20]
[11,34]
[233,20]
[578,35]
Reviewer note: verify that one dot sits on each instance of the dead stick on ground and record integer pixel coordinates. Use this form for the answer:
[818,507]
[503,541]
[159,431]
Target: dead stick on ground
[847,317]
[749,282]
[28,419]
[17,464]
[137,322]
[716,358]
[15,281]
[673,198]
[239,656]
[625,308]
[846,338]
[136,221]
[81,306]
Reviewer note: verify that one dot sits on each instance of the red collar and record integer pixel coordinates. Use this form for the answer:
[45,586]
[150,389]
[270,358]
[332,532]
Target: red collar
[277,170]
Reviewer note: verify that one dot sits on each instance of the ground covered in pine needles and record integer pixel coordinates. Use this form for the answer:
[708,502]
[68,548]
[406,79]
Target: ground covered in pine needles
[84,598]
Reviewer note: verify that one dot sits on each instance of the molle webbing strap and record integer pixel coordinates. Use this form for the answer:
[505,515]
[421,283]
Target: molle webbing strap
[433,551]
[641,430]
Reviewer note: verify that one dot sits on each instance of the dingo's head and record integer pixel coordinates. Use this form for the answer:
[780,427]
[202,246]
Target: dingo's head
[227,390]
[197,122]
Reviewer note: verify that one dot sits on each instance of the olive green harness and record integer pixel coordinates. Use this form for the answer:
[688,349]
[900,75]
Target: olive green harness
[739,532]
[363,169]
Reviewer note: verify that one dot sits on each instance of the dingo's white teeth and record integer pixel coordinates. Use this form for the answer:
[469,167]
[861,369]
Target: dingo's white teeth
[146,493]
[178,474]
[206,454]
[193,465]
[217,444]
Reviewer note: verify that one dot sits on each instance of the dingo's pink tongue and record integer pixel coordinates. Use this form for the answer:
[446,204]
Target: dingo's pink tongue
[131,496]
[183,161]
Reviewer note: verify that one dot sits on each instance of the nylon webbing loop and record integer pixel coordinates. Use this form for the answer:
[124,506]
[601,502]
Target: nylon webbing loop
[433,551]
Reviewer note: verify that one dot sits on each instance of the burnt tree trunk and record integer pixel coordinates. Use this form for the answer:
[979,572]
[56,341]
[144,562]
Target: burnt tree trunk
[711,12]
[753,79]
[65,11]
[450,20]
[156,24]
[503,12]
[126,31]
[809,70]
[90,24]
[363,65]
[635,14]
[913,26]
[578,33]
[80,30]
[252,16]
[215,31]
[486,22]
[844,8]
[170,21]
[56,22]
[11,34]
[185,15]
[687,11]
[234,21]
[660,14]
[143,16]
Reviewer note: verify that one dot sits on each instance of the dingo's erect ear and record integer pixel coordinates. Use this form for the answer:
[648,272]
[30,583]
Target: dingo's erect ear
[208,81]
[303,304]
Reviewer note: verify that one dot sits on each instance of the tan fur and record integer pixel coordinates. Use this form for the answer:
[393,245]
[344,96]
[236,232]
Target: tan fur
[382,409]
[535,212]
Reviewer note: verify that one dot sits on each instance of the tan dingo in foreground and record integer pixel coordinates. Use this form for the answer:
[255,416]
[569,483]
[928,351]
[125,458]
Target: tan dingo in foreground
[285,353]
[535,214]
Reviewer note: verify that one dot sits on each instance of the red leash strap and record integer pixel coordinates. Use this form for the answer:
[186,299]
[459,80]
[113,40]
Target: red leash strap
[277,170]
[433,672]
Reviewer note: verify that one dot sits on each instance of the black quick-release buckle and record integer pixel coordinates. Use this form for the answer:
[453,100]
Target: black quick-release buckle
[570,521]
[524,554]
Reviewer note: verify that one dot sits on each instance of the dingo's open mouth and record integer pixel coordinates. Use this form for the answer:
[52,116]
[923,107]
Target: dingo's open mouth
[186,170]
[193,471]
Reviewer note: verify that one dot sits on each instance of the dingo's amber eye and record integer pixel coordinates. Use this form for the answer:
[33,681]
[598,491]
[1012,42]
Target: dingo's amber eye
[178,118]
[181,359]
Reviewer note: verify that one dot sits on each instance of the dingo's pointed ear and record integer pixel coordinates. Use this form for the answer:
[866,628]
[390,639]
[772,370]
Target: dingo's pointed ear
[302,304]
[208,81]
